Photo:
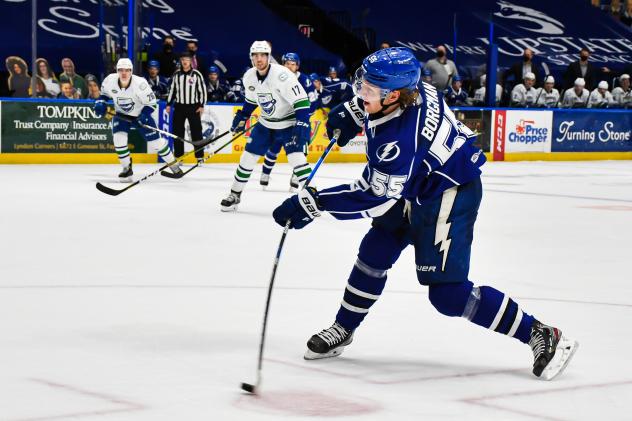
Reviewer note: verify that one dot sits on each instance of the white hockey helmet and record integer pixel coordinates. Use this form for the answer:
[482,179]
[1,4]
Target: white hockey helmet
[603,85]
[124,63]
[529,76]
[580,82]
[260,47]
[549,79]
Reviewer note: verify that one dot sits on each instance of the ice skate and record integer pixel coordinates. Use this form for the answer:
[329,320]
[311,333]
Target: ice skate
[294,183]
[175,169]
[231,202]
[125,176]
[328,343]
[264,180]
[551,350]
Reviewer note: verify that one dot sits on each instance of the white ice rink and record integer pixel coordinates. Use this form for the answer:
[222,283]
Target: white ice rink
[148,306]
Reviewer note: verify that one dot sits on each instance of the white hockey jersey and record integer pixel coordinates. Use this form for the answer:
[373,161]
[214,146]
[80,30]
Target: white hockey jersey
[132,99]
[597,100]
[278,94]
[547,99]
[572,100]
[622,98]
[479,95]
[523,97]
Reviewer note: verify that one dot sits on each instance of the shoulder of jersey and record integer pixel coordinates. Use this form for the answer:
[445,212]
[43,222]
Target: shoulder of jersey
[110,79]
[280,73]
[140,82]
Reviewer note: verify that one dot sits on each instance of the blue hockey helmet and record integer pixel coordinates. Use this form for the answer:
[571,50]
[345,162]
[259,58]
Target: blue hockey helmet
[153,63]
[332,69]
[314,76]
[385,71]
[427,73]
[213,69]
[291,57]
[456,78]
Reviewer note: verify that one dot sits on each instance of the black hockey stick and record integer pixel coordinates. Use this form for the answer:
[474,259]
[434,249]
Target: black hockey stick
[130,119]
[254,388]
[116,192]
[169,174]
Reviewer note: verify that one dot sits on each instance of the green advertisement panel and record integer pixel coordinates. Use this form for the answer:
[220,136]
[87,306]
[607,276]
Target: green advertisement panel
[58,127]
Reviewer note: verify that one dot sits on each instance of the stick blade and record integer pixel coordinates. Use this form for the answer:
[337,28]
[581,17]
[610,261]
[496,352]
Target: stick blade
[108,190]
[250,388]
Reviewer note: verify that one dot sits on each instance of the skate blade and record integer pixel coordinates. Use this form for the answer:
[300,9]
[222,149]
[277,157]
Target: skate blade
[565,350]
[310,355]
[126,179]
[230,208]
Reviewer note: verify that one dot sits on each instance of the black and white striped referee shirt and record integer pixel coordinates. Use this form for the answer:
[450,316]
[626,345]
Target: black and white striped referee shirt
[187,88]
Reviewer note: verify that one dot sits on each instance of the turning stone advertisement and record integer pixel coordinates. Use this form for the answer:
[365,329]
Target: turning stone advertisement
[57,127]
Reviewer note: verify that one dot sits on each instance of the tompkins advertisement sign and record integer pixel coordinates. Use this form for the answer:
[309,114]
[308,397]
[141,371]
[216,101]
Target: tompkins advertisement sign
[57,127]
[592,131]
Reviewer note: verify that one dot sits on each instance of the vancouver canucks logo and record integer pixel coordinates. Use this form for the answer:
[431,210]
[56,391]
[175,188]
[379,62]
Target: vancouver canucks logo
[267,103]
[125,104]
[387,152]
[534,20]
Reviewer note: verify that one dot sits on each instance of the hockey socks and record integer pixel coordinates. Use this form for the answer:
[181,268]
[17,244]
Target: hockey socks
[484,306]
[247,163]
[270,159]
[302,170]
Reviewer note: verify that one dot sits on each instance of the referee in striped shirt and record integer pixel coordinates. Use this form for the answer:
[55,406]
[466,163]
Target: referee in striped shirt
[188,96]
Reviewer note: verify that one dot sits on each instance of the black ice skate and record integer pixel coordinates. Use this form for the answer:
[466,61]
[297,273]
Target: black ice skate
[328,343]
[551,350]
[264,180]
[294,184]
[231,202]
[126,175]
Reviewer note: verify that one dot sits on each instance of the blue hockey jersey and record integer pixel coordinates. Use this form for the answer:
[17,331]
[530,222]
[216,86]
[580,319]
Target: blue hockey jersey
[415,153]
[453,97]
[160,86]
[340,88]
[309,87]
[324,98]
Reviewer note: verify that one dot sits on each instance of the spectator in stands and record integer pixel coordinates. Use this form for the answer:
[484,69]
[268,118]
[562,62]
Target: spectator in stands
[236,93]
[67,90]
[523,94]
[159,84]
[94,92]
[385,44]
[576,97]
[580,69]
[519,70]
[19,80]
[45,73]
[196,61]
[600,97]
[547,96]
[69,74]
[216,89]
[40,89]
[615,8]
[167,58]
[455,95]
[442,69]
[622,94]
[479,94]
[426,76]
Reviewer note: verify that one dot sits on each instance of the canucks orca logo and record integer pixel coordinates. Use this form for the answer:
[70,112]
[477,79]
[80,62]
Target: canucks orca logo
[126,104]
[267,103]
[387,152]
[540,22]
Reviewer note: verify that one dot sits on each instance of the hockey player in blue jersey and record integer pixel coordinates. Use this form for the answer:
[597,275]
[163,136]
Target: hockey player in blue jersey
[454,94]
[323,95]
[421,186]
[340,88]
[293,62]
[159,85]
[216,89]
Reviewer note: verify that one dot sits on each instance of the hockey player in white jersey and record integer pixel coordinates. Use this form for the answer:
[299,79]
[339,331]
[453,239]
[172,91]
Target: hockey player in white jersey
[600,97]
[132,97]
[523,94]
[576,97]
[548,96]
[284,119]
[623,94]
[479,94]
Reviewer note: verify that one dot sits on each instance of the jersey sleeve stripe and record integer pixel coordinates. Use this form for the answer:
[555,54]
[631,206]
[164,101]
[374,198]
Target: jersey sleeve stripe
[301,103]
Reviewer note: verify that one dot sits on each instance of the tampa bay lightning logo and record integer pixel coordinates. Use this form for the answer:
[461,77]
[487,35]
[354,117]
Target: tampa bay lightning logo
[536,21]
[125,104]
[326,99]
[387,152]
[267,103]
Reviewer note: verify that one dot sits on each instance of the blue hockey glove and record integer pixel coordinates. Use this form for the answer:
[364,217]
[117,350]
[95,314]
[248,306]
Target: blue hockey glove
[300,209]
[100,108]
[301,133]
[145,116]
[239,122]
[348,117]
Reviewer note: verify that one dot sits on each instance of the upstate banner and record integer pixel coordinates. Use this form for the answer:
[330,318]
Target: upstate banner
[596,131]
[57,127]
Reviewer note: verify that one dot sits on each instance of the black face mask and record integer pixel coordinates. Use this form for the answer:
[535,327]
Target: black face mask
[168,48]
[526,58]
[440,53]
[583,58]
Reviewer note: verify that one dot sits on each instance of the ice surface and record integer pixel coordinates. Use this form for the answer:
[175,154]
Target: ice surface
[148,306]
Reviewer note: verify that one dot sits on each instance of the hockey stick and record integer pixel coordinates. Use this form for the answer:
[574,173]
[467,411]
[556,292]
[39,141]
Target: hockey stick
[116,192]
[254,388]
[211,154]
[130,119]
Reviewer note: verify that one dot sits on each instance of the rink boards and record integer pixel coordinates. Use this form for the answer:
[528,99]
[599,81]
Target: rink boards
[68,132]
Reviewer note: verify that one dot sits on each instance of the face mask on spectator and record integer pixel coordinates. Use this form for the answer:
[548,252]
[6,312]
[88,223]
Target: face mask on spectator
[440,53]
[584,57]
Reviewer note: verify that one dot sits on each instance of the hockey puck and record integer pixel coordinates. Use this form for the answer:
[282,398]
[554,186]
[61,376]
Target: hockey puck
[250,388]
